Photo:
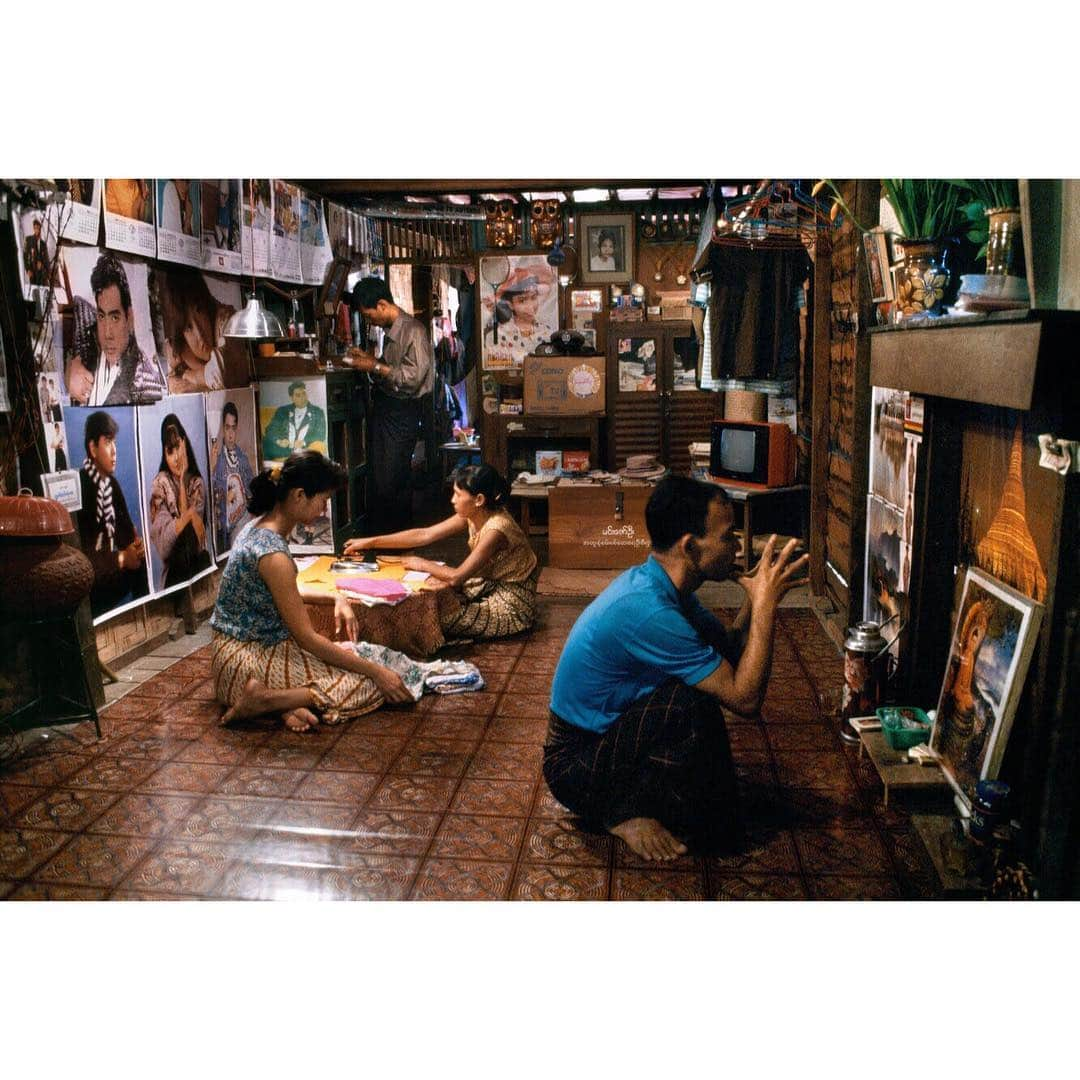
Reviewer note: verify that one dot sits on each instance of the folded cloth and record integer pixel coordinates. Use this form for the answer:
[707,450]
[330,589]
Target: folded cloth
[440,676]
[385,588]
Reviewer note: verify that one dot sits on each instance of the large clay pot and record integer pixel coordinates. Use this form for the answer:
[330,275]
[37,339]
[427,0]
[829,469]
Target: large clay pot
[40,574]
[921,281]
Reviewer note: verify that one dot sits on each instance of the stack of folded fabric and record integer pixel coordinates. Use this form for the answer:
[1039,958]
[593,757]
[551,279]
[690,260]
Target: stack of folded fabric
[439,676]
[642,467]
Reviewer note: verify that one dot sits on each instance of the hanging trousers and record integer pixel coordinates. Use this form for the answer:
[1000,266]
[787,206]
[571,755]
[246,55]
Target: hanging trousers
[667,757]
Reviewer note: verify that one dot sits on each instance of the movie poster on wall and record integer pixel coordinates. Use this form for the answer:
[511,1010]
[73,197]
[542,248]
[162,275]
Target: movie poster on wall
[176,491]
[292,416]
[80,213]
[129,217]
[103,446]
[220,203]
[315,253]
[337,227]
[285,237]
[255,228]
[35,246]
[110,357]
[233,438]
[51,399]
[179,221]
[519,305]
[884,601]
[189,311]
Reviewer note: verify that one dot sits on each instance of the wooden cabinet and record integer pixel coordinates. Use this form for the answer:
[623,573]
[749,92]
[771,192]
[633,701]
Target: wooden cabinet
[654,405]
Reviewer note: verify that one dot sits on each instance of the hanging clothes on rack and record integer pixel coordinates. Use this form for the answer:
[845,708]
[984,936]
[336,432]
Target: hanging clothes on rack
[753,308]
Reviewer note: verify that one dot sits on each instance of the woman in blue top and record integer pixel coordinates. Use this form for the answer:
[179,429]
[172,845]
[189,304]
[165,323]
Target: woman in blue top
[266,656]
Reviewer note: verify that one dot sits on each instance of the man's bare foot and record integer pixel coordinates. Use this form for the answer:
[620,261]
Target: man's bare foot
[299,720]
[254,701]
[648,839]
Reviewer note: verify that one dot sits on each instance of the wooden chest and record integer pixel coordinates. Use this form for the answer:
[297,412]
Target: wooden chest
[597,528]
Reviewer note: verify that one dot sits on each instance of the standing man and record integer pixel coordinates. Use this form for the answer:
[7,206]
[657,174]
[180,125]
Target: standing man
[232,474]
[299,426]
[636,743]
[123,375]
[404,376]
[36,256]
[108,535]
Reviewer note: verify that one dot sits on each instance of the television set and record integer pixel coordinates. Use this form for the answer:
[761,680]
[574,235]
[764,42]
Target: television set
[753,454]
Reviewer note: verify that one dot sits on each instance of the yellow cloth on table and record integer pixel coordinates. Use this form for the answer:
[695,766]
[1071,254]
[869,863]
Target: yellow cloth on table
[318,578]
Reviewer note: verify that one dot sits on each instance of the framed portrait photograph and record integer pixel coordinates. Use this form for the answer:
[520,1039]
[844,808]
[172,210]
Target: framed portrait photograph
[876,251]
[992,642]
[606,242]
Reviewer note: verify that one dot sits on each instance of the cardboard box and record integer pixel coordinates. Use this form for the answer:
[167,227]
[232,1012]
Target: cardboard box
[601,527]
[548,463]
[564,385]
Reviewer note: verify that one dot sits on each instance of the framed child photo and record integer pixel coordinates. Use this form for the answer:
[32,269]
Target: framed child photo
[606,242]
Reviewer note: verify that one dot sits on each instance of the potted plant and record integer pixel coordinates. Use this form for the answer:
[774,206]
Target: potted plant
[994,214]
[929,213]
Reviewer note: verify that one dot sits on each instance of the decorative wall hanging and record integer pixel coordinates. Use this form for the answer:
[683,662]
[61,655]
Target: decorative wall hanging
[546,222]
[220,202]
[501,227]
[179,221]
[518,313]
[129,216]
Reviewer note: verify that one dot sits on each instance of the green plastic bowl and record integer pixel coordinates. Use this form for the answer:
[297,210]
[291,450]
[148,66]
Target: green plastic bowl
[904,726]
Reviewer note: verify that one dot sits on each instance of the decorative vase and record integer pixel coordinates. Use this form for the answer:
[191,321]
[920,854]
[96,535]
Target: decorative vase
[1004,247]
[42,575]
[921,280]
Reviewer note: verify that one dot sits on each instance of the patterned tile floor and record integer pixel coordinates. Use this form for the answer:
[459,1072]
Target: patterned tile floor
[441,801]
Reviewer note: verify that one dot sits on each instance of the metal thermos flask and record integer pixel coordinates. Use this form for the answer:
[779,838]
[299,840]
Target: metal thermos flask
[866,673]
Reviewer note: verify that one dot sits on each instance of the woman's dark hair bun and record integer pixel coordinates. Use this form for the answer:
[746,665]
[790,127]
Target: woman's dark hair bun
[305,469]
[483,480]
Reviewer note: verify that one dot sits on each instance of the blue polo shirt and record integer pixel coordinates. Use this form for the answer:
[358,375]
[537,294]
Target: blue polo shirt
[636,634]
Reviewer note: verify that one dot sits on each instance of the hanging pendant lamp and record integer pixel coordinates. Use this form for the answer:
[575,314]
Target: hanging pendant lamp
[254,321]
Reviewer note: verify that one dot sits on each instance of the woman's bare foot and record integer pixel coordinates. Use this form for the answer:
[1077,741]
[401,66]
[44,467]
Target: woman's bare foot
[648,839]
[254,701]
[299,720]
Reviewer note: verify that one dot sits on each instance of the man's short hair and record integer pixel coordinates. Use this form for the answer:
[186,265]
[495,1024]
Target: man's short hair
[369,291]
[679,506]
[98,424]
[298,385]
[110,271]
[230,410]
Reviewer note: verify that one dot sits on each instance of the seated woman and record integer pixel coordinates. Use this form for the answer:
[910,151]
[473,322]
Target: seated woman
[496,585]
[266,658]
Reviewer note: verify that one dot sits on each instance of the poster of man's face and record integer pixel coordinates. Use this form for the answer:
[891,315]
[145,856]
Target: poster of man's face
[232,436]
[292,416]
[110,327]
[101,444]
[36,246]
[176,490]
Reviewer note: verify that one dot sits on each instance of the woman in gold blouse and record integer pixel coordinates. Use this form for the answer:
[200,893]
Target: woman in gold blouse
[495,587]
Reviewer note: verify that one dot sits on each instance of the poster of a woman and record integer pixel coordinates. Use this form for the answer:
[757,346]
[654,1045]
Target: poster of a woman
[172,438]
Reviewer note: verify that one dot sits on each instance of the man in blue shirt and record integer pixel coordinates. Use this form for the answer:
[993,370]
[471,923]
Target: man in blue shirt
[637,742]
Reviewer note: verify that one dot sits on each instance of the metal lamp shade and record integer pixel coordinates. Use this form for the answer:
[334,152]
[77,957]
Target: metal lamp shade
[254,321]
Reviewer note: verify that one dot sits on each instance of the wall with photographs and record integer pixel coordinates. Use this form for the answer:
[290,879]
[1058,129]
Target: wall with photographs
[132,282]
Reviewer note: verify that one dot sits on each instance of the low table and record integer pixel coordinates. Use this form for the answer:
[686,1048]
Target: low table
[411,626]
[529,494]
[894,769]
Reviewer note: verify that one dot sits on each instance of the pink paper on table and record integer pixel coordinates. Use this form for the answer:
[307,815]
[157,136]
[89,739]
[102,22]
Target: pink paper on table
[388,588]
